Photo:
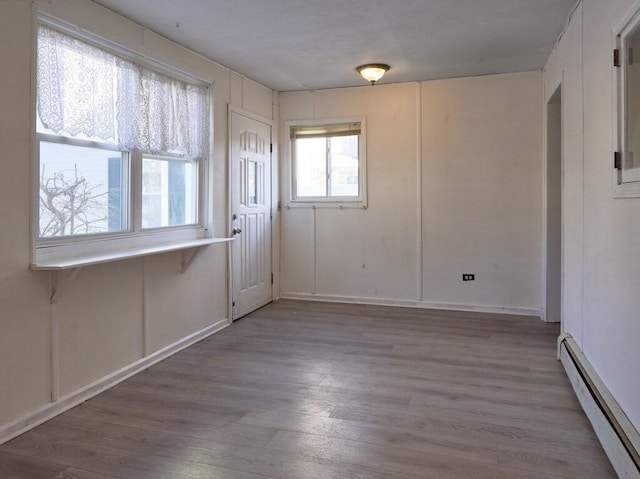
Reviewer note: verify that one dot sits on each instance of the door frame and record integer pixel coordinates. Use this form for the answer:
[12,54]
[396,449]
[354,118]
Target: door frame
[557,88]
[268,121]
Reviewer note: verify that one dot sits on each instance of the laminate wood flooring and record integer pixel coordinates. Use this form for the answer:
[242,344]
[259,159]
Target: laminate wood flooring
[303,390]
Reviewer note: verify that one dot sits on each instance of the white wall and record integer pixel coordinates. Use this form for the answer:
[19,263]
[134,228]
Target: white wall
[601,254]
[100,313]
[454,186]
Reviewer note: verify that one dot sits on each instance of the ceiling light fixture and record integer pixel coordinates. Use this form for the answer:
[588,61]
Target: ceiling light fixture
[372,71]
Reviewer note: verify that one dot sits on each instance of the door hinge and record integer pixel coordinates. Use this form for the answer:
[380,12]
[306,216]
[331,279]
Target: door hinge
[617,160]
[616,57]
[271,148]
[271,278]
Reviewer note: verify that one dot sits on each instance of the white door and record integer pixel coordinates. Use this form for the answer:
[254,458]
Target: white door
[250,213]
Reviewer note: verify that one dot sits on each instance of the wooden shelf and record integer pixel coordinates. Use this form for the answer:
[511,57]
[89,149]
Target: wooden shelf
[80,261]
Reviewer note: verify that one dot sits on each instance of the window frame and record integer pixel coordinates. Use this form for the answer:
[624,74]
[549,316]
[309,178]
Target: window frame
[139,157]
[132,237]
[291,200]
[625,182]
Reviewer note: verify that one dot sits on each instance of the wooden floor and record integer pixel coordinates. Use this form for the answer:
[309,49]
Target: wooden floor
[303,390]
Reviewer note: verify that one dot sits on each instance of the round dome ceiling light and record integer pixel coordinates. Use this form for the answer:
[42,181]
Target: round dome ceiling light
[372,72]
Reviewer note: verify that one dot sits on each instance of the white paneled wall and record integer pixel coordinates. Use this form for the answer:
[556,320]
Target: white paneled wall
[482,176]
[110,316]
[600,245]
[454,184]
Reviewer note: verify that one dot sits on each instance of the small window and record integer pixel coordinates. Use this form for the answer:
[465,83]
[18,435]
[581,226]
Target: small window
[328,164]
[627,157]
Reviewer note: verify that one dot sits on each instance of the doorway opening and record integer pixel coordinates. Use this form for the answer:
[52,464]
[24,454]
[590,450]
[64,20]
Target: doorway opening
[553,306]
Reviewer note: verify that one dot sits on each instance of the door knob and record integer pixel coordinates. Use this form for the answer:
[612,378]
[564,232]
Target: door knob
[236,231]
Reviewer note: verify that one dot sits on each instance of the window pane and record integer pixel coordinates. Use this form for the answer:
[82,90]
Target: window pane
[253,184]
[81,190]
[169,192]
[632,147]
[311,167]
[344,165]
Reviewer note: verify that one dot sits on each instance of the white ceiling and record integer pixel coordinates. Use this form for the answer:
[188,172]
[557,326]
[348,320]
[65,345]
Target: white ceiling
[312,44]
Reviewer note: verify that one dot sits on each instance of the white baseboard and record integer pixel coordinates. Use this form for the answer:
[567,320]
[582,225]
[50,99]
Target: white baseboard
[407,303]
[69,401]
[619,439]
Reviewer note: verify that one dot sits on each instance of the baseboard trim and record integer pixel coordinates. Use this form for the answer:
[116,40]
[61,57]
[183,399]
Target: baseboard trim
[413,304]
[619,439]
[71,400]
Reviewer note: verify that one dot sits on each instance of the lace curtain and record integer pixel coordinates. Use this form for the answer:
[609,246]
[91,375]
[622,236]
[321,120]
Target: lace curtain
[83,90]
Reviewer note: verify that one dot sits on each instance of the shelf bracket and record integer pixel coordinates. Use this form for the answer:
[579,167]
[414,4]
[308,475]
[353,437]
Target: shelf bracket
[188,256]
[56,285]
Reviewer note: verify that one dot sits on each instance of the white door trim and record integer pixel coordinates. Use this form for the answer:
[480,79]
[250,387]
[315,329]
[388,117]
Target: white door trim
[554,87]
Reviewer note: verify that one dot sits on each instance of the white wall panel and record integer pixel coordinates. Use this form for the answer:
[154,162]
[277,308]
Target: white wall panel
[235,83]
[296,106]
[25,342]
[200,301]
[366,253]
[572,194]
[481,195]
[604,258]
[24,306]
[100,322]
[482,190]
[256,98]
[611,330]
[297,260]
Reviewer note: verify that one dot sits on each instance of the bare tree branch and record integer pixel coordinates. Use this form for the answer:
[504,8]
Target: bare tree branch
[70,205]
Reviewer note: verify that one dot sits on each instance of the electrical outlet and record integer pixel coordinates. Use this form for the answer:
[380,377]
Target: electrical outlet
[468,277]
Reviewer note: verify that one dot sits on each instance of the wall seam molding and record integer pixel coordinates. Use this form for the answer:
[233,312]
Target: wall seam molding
[145,310]
[419,252]
[583,176]
[315,250]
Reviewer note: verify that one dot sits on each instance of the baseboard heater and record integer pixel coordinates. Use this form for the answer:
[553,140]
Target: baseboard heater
[619,439]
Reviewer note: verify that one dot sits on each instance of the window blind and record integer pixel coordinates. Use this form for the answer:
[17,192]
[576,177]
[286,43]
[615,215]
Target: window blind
[342,129]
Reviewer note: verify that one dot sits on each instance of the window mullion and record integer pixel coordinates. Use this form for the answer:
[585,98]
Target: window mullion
[135,209]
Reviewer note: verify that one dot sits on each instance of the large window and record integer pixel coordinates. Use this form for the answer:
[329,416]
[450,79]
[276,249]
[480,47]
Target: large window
[327,164]
[626,162]
[122,148]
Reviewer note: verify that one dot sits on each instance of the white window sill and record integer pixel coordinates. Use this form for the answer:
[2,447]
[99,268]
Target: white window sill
[625,190]
[80,261]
